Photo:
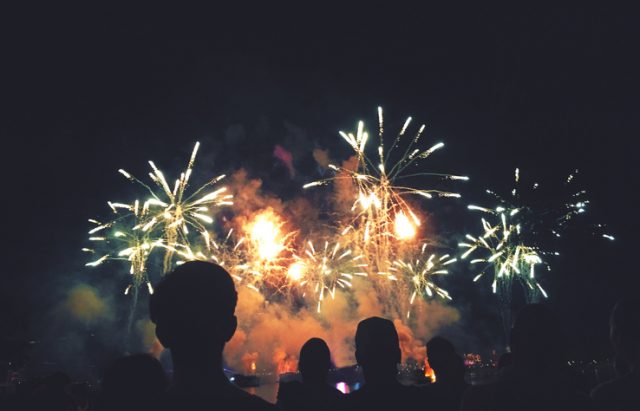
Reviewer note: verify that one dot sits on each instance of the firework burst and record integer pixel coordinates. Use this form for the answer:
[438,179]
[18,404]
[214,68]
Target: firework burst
[503,251]
[235,255]
[514,231]
[125,241]
[226,252]
[320,271]
[418,273]
[260,256]
[383,215]
[174,212]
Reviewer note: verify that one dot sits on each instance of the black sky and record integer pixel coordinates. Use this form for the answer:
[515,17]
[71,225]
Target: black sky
[89,91]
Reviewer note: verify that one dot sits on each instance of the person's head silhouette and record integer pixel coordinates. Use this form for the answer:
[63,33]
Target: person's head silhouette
[439,351]
[444,360]
[536,338]
[315,360]
[378,350]
[625,334]
[193,309]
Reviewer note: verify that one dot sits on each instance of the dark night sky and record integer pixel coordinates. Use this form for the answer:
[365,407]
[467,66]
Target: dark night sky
[88,92]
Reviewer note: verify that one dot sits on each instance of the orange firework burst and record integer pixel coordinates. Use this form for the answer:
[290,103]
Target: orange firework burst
[321,271]
[419,272]
[267,247]
[383,217]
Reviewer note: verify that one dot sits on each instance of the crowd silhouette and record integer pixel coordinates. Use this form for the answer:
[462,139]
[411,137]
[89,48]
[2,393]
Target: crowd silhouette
[193,309]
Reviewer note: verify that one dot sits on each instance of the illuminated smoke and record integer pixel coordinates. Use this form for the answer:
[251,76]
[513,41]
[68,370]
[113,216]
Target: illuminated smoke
[85,304]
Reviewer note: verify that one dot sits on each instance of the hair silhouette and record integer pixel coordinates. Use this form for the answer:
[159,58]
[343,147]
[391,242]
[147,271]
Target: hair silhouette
[314,392]
[378,349]
[315,360]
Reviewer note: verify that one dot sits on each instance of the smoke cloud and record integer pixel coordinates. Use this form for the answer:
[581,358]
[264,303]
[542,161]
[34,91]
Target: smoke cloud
[270,335]
[272,329]
[84,303]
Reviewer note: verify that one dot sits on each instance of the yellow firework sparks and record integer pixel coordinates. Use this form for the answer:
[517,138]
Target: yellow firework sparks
[518,226]
[123,240]
[259,257]
[265,234]
[321,270]
[503,250]
[174,211]
[383,215]
[544,215]
[235,256]
[419,273]
[223,252]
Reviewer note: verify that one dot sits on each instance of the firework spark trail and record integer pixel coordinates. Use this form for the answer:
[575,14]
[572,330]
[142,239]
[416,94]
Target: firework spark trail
[503,250]
[269,247]
[258,256]
[418,273]
[513,237]
[127,243]
[160,222]
[383,217]
[173,211]
[505,255]
[321,270]
[543,215]
[227,253]
[514,241]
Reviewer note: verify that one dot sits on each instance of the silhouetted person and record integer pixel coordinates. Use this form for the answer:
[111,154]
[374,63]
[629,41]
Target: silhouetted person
[623,393]
[314,392]
[538,378]
[378,353]
[446,393]
[193,309]
[134,382]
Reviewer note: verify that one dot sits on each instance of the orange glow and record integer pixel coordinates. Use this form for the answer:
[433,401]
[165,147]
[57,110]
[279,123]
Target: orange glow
[156,349]
[265,233]
[285,363]
[249,361]
[288,365]
[368,200]
[404,228]
[296,271]
[428,371]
